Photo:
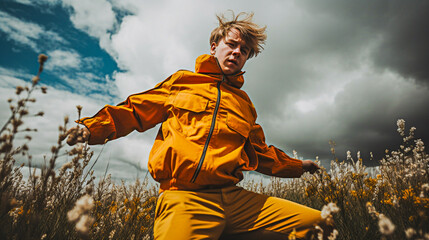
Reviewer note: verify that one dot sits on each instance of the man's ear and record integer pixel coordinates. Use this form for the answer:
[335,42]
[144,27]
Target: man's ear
[213,47]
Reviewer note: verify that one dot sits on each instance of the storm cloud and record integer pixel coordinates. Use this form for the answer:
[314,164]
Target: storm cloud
[342,71]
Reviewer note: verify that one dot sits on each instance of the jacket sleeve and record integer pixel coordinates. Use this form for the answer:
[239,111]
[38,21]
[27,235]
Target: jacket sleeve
[271,160]
[139,112]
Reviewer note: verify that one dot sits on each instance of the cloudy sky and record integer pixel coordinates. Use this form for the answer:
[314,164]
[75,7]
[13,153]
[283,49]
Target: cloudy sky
[331,70]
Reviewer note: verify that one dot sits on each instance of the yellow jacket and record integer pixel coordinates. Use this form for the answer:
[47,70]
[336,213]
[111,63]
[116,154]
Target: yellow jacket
[208,134]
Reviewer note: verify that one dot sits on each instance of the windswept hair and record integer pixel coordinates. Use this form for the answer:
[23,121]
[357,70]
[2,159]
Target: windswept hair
[252,34]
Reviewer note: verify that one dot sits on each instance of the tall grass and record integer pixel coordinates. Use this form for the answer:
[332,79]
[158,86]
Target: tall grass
[390,201]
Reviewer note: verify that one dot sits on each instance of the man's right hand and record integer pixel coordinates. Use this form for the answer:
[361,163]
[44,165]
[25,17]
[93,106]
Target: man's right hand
[77,135]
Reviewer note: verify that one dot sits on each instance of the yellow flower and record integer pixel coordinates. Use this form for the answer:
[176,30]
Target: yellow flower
[21,210]
[407,193]
[113,208]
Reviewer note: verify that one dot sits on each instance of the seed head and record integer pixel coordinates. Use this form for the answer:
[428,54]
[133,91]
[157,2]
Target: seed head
[19,89]
[42,58]
[401,126]
[35,80]
[44,90]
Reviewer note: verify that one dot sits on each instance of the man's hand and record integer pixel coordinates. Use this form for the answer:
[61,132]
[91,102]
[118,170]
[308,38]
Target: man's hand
[77,135]
[309,166]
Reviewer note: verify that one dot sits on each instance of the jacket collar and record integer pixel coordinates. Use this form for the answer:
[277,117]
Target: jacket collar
[207,64]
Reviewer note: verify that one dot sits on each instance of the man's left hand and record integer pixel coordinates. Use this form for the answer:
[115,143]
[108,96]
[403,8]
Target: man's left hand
[309,166]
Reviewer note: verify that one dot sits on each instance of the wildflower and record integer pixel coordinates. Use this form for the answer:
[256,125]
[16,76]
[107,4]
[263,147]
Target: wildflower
[19,89]
[333,235]
[35,80]
[425,190]
[73,215]
[420,147]
[82,205]
[44,90]
[82,226]
[410,232]
[54,149]
[85,202]
[327,211]
[358,155]
[66,166]
[386,226]
[401,126]
[319,232]
[112,234]
[295,154]
[42,59]
[349,155]
[371,210]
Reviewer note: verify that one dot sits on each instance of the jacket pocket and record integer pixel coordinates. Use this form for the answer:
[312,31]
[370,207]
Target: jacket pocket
[190,102]
[238,125]
[189,116]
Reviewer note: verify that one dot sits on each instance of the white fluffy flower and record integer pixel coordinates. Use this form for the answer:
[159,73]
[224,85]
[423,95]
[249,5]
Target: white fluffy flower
[425,190]
[410,233]
[328,209]
[86,202]
[84,223]
[401,126]
[349,155]
[386,226]
[333,235]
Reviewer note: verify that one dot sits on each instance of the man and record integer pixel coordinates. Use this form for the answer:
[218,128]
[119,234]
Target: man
[208,136]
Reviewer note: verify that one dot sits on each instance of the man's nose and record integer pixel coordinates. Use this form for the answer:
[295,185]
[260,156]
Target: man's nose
[236,51]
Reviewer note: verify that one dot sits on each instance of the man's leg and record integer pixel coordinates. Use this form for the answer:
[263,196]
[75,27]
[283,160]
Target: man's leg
[266,217]
[184,215]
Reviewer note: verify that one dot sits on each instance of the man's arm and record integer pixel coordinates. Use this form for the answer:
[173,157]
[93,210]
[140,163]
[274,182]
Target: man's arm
[274,162]
[139,112]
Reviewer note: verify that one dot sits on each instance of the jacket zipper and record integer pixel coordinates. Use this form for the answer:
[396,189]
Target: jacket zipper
[206,145]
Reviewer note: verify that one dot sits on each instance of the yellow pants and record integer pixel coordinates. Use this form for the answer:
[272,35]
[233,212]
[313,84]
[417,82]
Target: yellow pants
[229,213]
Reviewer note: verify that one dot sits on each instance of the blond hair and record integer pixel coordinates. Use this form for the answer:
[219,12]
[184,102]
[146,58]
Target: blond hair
[252,34]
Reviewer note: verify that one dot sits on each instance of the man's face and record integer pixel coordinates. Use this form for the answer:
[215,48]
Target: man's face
[231,52]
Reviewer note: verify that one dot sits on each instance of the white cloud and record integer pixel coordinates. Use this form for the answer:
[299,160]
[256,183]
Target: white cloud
[95,17]
[61,59]
[9,76]
[30,2]
[76,72]
[26,33]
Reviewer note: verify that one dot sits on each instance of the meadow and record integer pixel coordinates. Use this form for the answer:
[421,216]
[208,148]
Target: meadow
[390,201]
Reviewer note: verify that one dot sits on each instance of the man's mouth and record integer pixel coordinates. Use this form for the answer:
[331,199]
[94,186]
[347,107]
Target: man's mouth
[232,61]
